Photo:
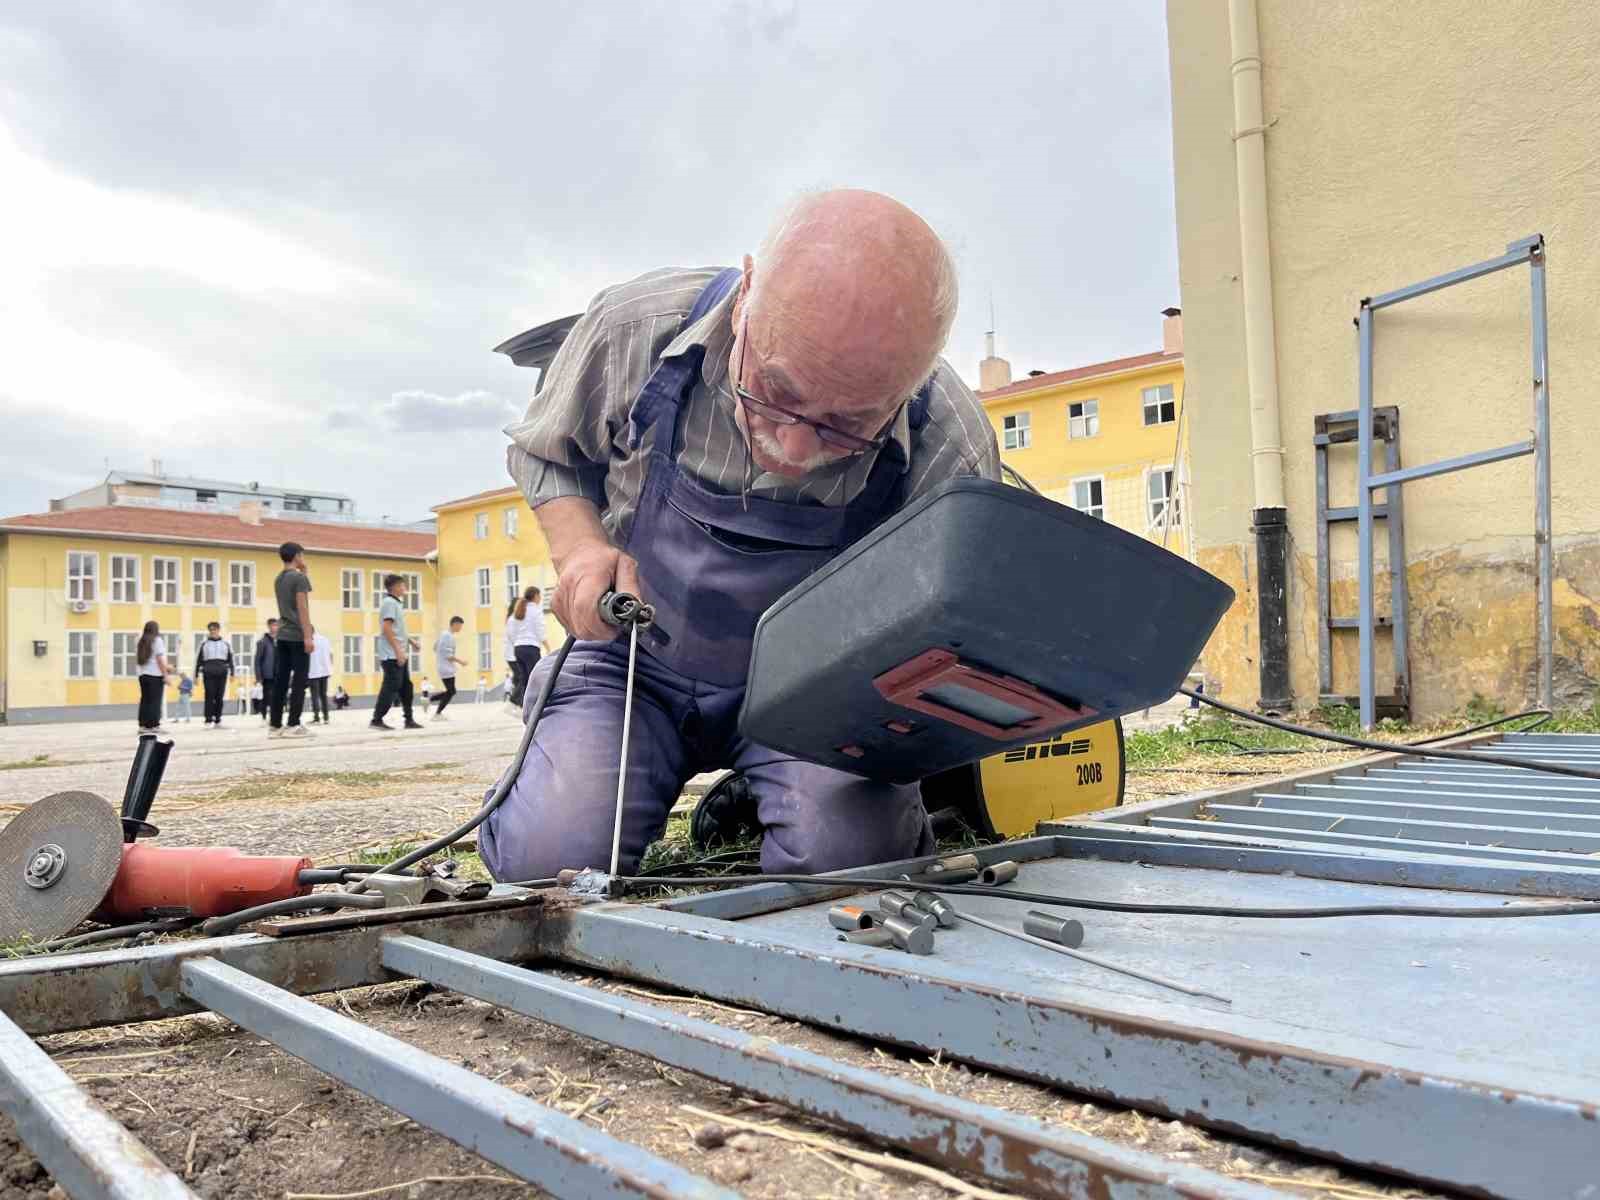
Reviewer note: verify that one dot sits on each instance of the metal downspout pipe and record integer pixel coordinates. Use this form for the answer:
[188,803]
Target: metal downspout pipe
[1269,516]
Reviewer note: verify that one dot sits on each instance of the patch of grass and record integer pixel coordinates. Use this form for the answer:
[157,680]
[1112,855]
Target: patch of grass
[27,764]
[468,864]
[263,787]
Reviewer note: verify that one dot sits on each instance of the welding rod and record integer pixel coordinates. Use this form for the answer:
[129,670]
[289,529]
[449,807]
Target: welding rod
[1092,959]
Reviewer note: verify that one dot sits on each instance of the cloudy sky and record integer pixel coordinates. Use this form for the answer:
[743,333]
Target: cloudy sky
[276,241]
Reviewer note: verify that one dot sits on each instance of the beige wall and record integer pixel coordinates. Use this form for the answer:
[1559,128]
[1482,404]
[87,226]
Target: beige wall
[1404,140]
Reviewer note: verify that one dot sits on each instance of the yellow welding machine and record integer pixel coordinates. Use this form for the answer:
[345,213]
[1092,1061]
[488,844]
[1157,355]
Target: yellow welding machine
[1006,795]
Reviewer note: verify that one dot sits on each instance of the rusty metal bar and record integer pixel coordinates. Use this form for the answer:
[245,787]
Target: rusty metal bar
[90,1155]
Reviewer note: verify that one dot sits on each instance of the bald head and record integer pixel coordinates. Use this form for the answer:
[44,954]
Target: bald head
[843,313]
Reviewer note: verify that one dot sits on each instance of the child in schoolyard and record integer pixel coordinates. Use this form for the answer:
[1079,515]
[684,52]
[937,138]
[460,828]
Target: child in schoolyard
[185,698]
[444,653]
[213,663]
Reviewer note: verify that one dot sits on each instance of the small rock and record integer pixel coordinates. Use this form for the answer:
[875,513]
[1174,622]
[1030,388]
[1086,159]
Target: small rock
[477,1035]
[56,1193]
[732,1170]
[745,1143]
[709,1137]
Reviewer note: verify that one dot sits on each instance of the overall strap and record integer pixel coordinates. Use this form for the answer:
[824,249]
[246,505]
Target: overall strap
[671,381]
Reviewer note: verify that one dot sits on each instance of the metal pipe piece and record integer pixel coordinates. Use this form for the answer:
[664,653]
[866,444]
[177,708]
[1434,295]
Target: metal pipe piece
[877,936]
[934,903]
[532,1141]
[851,917]
[997,873]
[958,868]
[1093,959]
[900,905]
[1062,930]
[912,937]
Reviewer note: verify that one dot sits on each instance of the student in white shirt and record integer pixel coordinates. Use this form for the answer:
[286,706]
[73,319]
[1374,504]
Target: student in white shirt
[526,631]
[151,657]
[321,666]
[509,641]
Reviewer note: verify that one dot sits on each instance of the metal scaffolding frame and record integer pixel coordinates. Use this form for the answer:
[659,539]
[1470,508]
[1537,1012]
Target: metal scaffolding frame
[1530,250]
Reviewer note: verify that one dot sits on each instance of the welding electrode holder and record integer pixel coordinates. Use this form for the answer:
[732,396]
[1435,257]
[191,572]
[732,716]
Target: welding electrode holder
[621,609]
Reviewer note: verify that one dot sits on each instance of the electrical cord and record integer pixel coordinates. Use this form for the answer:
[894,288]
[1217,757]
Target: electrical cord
[1544,715]
[1343,739]
[1185,910]
[110,934]
[227,923]
[502,789]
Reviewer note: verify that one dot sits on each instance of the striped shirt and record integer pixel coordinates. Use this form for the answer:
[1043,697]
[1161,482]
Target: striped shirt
[573,439]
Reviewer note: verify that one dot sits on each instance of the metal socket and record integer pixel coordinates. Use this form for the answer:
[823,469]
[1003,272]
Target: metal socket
[876,936]
[911,937]
[932,902]
[998,873]
[901,905]
[851,917]
[1063,931]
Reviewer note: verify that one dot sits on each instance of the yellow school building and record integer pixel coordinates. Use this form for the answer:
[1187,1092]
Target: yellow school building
[77,586]
[1106,438]
[490,549]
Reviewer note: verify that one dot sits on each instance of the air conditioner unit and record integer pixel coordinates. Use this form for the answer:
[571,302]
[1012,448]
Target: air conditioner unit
[80,606]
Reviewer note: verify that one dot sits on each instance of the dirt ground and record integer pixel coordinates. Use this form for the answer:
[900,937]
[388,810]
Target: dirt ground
[240,1119]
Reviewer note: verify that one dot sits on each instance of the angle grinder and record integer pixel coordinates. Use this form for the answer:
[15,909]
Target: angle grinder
[71,857]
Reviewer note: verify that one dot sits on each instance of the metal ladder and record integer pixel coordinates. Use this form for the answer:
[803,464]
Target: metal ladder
[1336,429]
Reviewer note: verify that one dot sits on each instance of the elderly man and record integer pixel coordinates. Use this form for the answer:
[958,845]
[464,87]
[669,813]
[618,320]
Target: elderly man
[706,439]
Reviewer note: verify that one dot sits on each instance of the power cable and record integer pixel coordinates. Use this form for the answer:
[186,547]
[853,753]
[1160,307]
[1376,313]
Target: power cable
[1185,910]
[1344,739]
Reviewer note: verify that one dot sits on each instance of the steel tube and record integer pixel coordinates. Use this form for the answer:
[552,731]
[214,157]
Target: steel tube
[533,1142]
[1450,278]
[1366,650]
[1445,466]
[1396,806]
[90,1155]
[1029,1155]
[1544,547]
[1308,815]
[1382,842]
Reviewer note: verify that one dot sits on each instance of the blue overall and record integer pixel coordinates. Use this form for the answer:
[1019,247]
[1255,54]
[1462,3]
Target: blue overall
[711,564]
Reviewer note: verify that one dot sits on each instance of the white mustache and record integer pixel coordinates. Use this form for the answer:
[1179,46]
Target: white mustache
[772,448]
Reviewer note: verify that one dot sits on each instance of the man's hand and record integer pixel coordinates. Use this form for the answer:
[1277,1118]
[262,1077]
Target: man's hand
[311,640]
[588,572]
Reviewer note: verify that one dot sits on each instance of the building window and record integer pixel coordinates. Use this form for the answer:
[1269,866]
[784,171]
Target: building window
[83,574]
[164,579]
[513,582]
[1159,406]
[485,588]
[202,496]
[243,646]
[203,575]
[80,655]
[510,517]
[350,589]
[1083,419]
[480,527]
[297,504]
[124,655]
[1015,428]
[377,589]
[352,654]
[413,592]
[199,640]
[1089,496]
[242,584]
[1162,492]
[125,578]
[485,652]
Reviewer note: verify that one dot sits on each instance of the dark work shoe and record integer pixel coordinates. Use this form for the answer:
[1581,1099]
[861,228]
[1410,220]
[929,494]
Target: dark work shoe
[412,725]
[384,725]
[725,814]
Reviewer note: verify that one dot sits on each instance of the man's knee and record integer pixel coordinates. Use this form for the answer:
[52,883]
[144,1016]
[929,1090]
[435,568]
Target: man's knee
[817,819]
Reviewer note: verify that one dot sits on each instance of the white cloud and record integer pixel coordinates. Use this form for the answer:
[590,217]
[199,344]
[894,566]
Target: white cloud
[416,411]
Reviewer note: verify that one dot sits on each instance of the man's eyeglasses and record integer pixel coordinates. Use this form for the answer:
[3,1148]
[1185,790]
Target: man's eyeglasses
[826,434]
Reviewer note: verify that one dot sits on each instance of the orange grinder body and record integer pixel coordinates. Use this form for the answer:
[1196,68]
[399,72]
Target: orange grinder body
[203,881]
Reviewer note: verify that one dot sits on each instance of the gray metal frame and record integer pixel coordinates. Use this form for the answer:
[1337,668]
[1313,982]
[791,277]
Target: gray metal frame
[1333,429]
[1530,250]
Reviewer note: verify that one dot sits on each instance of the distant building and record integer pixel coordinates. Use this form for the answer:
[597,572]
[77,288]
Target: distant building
[490,549]
[156,486]
[78,584]
[1103,437]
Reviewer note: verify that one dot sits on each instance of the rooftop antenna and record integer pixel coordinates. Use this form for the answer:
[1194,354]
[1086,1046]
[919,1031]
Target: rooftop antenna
[988,337]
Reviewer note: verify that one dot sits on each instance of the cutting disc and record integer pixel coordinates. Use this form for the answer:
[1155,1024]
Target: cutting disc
[58,857]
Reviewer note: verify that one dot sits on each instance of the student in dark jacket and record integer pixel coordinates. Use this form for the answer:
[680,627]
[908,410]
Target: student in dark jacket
[267,656]
[212,666]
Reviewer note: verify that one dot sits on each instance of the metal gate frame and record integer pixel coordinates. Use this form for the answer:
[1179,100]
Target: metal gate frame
[1530,250]
[258,981]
